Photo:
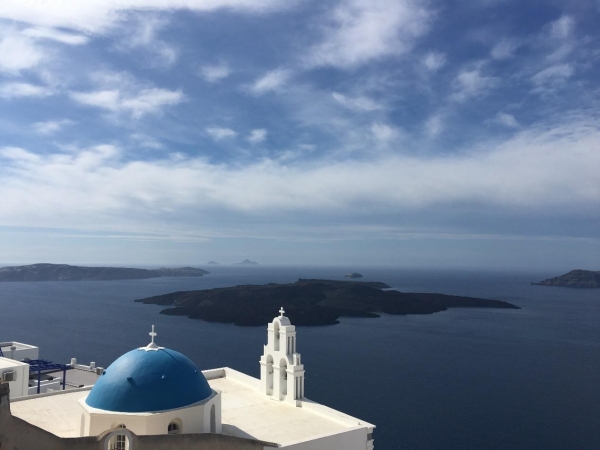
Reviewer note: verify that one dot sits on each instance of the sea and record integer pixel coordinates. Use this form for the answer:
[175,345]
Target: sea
[461,379]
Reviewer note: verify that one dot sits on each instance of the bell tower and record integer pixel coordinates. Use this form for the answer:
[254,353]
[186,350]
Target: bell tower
[281,368]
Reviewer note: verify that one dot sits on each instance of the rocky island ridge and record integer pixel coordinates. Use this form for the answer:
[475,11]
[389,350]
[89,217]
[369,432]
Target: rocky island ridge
[65,272]
[575,278]
[308,302]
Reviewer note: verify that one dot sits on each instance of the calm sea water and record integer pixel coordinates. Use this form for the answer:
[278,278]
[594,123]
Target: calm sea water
[460,379]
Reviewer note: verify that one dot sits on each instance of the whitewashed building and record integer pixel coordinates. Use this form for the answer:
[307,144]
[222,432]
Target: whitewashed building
[154,398]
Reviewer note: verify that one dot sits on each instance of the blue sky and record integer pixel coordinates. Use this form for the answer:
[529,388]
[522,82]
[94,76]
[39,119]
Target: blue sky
[417,134]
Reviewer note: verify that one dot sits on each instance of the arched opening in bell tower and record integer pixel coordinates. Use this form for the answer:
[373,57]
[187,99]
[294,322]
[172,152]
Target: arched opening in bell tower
[283,376]
[269,375]
[276,338]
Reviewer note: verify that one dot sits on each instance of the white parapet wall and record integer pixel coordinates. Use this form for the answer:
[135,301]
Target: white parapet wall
[45,386]
[19,351]
[351,439]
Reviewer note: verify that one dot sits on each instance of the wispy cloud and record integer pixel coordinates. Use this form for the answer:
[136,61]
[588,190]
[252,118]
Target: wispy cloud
[472,82]
[85,185]
[55,35]
[505,49]
[360,103]
[214,74]
[508,120]
[385,133]
[552,77]
[271,81]
[18,52]
[138,102]
[258,135]
[359,31]
[17,90]
[142,34]
[220,133]
[434,61]
[51,126]
[434,125]
[99,16]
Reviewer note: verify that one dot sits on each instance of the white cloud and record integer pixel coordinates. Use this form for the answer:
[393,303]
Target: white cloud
[18,52]
[434,125]
[562,28]
[18,155]
[359,31]
[51,126]
[469,83]
[360,103]
[219,133]
[505,49]
[551,168]
[553,76]
[271,81]
[142,33]
[258,135]
[17,90]
[214,74]
[145,141]
[434,61]
[99,16]
[384,133]
[507,120]
[144,101]
[54,35]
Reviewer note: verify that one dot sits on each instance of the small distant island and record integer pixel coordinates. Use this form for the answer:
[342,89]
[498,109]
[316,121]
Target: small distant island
[575,278]
[354,275]
[213,263]
[308,302]
[247,262]
[65,272]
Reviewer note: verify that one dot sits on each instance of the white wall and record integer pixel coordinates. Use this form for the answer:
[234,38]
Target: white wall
[21,352]
[194,419]
[55,385]
[19,387]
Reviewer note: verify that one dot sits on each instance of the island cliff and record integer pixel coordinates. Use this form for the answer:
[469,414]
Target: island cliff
[575,278]
[64,272]
[308,302]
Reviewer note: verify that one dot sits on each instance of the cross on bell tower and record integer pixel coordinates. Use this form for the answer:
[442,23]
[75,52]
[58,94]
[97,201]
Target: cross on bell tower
[281,312]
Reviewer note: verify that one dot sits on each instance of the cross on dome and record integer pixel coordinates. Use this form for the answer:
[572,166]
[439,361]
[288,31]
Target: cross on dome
[281,312]
[152,334]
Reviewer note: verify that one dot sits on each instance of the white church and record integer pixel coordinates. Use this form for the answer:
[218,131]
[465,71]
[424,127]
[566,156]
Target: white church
[154,398]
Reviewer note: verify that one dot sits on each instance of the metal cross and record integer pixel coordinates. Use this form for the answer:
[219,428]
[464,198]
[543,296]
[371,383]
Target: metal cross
[281,311]
[153,334]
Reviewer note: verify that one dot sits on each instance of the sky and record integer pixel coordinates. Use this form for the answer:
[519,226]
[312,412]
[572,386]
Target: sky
[429,134]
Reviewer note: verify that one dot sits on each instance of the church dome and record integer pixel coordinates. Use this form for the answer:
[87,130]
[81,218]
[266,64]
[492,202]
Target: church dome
[149,379]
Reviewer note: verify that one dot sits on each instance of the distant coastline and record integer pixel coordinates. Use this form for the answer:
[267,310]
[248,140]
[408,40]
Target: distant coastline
[575,278]
[65,272]
[308,302]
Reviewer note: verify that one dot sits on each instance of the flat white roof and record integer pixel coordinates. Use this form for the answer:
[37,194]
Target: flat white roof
[59,413]
[245,412]
[7,362]
[17,345]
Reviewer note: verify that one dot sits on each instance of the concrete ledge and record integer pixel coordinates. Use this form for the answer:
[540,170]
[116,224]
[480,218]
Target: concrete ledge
[50,394]
[332,414]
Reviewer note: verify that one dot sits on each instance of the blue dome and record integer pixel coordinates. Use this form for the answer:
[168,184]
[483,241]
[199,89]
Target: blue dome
[148,381]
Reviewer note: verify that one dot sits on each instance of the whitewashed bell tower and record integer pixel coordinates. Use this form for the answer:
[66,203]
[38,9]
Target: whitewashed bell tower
[281,369]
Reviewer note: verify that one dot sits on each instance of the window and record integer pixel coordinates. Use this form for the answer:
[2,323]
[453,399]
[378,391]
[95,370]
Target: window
[173,428]
[119,441]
